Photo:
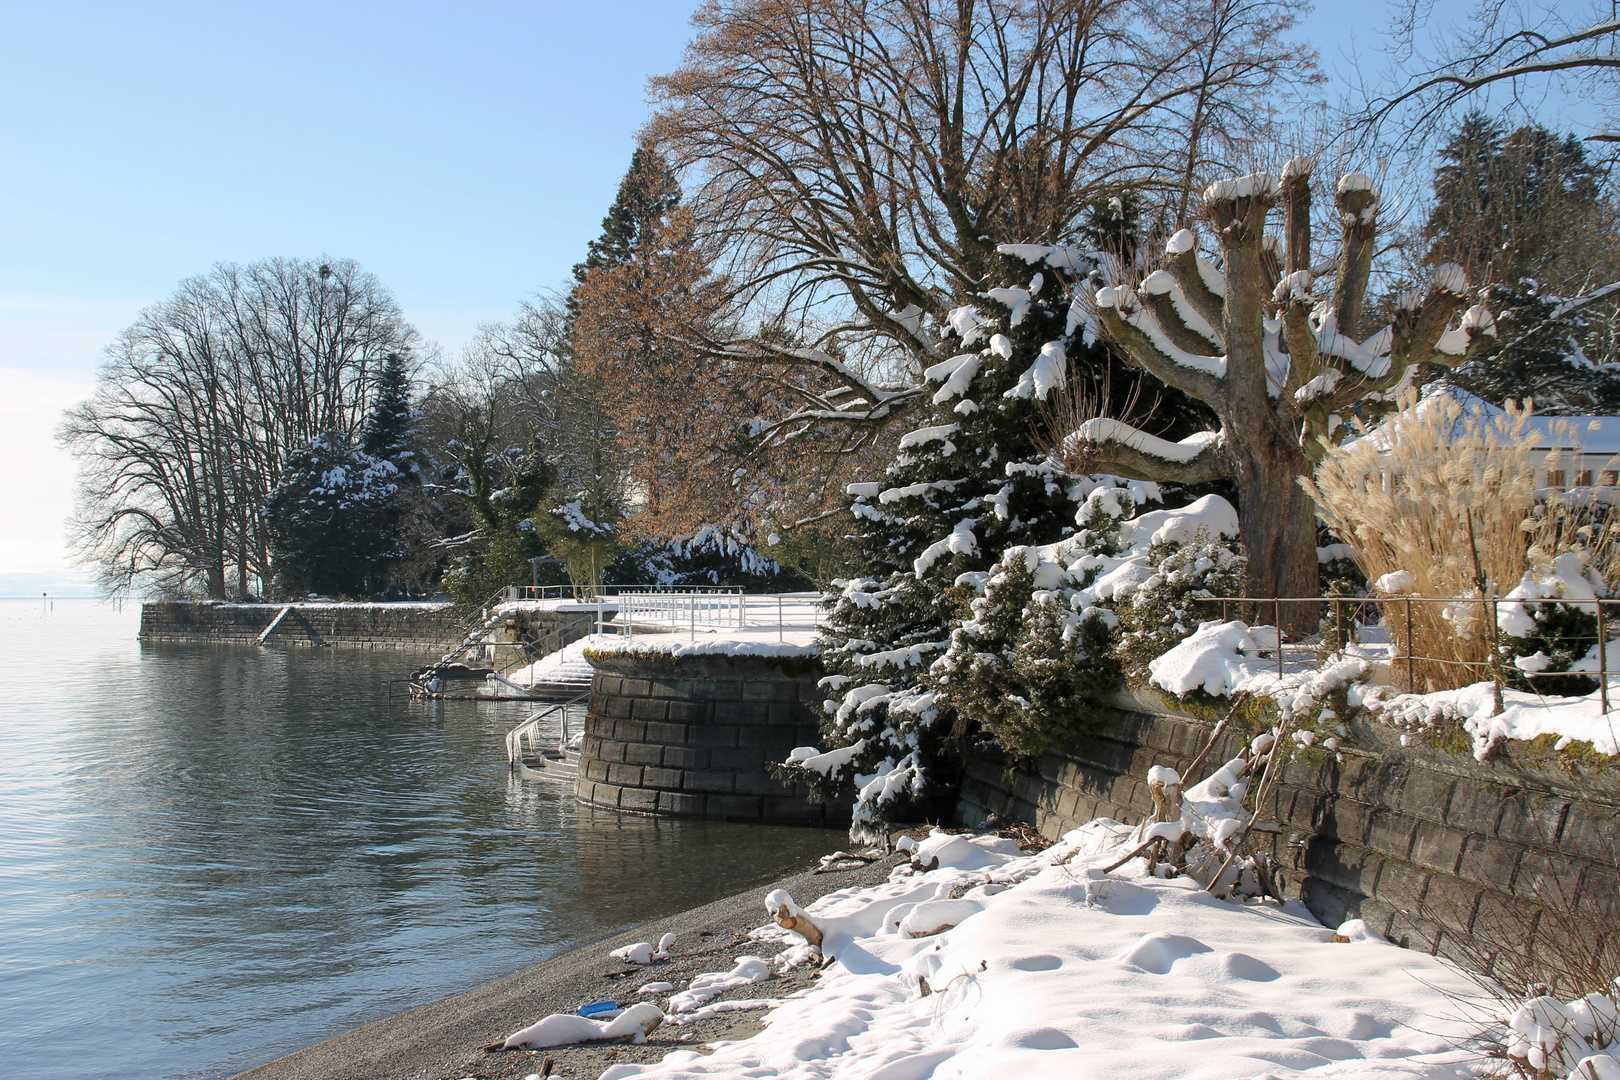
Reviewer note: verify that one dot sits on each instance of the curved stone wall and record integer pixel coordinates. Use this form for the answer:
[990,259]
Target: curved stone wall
[695,736]
[1485,863]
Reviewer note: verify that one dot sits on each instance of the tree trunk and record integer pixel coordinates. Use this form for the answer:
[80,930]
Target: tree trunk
[1279,533]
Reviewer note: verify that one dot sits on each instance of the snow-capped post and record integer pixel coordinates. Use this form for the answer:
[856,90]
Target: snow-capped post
[1277,356]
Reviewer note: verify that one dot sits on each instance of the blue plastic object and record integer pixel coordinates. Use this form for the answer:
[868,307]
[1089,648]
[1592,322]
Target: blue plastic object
[596,1008]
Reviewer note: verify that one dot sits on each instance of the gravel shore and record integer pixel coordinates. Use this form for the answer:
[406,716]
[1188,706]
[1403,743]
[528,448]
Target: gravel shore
[446,1040]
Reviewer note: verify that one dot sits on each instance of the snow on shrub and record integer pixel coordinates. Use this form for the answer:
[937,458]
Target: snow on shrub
[1167,607]
[1034,658]
[1578,1039]
[1547,629]
[969,481]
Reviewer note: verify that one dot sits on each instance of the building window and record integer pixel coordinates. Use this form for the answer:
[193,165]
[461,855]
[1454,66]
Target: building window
[1583,479]
[1609,477]
[1555,479]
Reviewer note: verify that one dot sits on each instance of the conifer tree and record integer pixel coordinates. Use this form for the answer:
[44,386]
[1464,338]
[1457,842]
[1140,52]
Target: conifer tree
[603,376]
[646,196]
[334,517]
[333,520]
[386,433]
[1527,213]
[1558,351]
[969,484]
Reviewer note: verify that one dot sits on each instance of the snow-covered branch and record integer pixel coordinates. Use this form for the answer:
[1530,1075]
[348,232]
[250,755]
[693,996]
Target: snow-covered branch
[1105,445]
[1134,327]
[1200,282]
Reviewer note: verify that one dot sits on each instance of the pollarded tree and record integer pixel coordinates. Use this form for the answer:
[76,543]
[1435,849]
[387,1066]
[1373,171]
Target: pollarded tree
[1280,358]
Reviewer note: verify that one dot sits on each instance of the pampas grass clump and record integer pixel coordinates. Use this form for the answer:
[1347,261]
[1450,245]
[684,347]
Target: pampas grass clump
[1450,495]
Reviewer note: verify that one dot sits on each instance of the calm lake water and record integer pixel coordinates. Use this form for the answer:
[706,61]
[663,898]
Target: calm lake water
[211,856]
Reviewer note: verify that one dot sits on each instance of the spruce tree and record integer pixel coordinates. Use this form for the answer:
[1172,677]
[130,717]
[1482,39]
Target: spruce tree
[646,196]
[386,433]
[1520,204]
[970,483]
[334,517]
[1527,212]
[333,520]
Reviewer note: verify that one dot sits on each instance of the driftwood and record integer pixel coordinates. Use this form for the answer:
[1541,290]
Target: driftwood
[787,914]
[1167,807]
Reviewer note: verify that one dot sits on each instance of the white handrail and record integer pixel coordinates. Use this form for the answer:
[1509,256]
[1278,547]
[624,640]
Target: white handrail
[690,608]
[528,732]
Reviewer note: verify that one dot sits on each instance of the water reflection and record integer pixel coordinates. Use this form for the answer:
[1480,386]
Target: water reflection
[216,855]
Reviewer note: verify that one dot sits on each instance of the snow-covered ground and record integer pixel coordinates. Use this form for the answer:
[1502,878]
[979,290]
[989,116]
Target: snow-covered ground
[999,963]
[772,624]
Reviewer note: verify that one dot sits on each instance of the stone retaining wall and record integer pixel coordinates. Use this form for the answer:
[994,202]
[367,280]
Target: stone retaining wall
[694,736]
[426,627]
[1491,864]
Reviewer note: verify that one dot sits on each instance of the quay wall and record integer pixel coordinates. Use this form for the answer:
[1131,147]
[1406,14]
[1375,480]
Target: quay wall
[418,626]
[1498,865]
[696,735]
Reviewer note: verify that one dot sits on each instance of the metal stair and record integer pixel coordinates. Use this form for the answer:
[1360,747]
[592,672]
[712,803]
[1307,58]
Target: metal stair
[534,755]
[426,682]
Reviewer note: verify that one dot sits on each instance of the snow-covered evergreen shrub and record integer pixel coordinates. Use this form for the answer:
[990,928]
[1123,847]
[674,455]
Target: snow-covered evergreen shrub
[1035,656]
[1337,572]
[335,514]
[1166,607]
[510,495]
[1545,629]
[713,555]
[967,484]
[333,520]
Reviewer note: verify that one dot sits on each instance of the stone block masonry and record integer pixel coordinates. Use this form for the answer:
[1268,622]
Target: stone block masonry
[418,626]
[696,736]
[1490,864]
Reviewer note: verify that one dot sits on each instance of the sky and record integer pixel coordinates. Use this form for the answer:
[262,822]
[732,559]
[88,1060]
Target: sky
[465,153]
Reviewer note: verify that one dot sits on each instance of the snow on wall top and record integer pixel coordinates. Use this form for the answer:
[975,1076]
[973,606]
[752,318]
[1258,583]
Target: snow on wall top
[673,646]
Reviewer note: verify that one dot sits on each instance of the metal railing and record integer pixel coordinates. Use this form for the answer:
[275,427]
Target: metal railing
[686,608]
[526,736]
[1341,616]
[585,593]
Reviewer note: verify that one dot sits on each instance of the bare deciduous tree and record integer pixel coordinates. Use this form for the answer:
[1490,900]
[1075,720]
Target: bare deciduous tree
[1523,48]
[199,404]
[857,161]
